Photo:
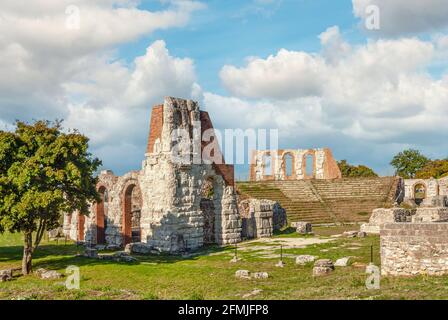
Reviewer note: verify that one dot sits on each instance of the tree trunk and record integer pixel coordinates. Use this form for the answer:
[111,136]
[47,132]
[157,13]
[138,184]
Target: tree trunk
[27,254]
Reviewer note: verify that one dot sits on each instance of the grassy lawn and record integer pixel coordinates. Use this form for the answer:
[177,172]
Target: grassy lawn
[210,275]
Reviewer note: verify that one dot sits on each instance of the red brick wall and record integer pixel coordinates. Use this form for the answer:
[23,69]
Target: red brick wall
[156,126]
[224,170]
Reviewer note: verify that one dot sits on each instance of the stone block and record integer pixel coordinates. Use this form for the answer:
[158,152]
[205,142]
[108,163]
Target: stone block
[305,259]
[323,267]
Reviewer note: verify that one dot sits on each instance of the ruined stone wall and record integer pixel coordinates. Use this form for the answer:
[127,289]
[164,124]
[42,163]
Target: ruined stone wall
[409,249]
[434,187]
[324,165]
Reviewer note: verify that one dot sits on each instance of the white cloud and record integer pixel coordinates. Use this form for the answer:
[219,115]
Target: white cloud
[379,93]
[49,71]
[405,16]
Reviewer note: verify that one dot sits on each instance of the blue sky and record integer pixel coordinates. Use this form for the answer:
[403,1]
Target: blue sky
[309,68]
[226,32]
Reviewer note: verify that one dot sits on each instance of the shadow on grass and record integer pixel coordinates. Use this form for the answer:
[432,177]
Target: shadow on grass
[286,231]
[58,257]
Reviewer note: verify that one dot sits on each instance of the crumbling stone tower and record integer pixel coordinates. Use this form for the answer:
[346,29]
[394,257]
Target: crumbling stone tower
[179,200]
[173,216]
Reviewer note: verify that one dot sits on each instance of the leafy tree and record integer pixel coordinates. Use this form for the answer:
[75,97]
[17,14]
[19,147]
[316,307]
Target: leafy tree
[408,162]
[433,169]
[43,173]
[350,171]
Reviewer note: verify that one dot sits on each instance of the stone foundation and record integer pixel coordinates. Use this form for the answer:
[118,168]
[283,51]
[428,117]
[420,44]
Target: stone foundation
[258,218]
[409,249]
[382,216]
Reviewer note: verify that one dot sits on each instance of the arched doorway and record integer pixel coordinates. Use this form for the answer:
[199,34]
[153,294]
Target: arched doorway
[288,165]
[267,165]
[132,206]
[101,223]
[81,223]
[207,207]
[419,193]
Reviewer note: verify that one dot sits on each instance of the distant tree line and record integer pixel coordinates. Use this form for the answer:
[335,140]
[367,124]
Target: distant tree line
[412,164]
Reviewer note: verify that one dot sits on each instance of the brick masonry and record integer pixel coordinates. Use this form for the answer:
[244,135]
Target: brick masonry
[409,249]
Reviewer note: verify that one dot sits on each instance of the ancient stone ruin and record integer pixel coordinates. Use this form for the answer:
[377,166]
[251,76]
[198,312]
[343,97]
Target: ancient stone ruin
[293,165]
[414,233]
[178,201]
[260,218]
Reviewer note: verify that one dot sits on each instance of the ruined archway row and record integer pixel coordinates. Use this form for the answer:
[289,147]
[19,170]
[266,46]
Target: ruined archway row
[293,164]
[115,220]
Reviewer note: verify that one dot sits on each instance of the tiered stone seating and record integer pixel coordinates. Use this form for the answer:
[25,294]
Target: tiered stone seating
[324,201]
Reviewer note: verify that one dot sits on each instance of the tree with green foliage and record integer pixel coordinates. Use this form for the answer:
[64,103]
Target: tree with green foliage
[408,162]
[350,171]
[433,169]
[44,172]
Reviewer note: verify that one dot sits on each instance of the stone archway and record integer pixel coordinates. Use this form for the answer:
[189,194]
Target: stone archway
[288,164]
[101,223]
[419,192]
[132,205]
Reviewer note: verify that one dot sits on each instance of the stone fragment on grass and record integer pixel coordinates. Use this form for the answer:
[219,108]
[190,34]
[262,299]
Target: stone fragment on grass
[323,267]
[350,234]
[242,274]
[302,227]
[343,262]
[304,259]
[48,274]
[361,234]
[260,275]
[280,264]
[235,259]
[5,275]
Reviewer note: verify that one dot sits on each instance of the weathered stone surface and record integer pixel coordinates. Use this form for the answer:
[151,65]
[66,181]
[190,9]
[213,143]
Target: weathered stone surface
[48,274]
[323,267]
[409,249]
[260,275]
[140,248]
[5,275]
[258,216]
[342,262]
[305,259]
[382,215]
[302,227]
[242,274]
[427,214]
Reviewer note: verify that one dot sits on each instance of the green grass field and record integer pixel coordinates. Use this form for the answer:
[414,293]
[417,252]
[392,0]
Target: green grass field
[210,274]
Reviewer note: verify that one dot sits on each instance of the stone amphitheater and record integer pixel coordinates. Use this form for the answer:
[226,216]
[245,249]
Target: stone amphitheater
[321,201]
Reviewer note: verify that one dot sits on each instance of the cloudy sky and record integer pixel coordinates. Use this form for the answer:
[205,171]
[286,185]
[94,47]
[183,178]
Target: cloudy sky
[314,69]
